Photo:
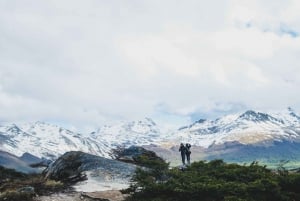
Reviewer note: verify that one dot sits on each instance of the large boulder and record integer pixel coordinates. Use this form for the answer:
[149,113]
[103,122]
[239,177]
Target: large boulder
[72,166]
[137,155]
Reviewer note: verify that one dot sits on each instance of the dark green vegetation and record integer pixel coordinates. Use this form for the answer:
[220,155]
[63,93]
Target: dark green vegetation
[15,186]
[138,156]
[214,181]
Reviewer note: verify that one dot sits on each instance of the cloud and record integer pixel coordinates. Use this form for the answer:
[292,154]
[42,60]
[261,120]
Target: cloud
[88,63]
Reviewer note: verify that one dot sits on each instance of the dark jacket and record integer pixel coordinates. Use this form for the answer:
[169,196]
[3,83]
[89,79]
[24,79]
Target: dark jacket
[182,149]
[188,147]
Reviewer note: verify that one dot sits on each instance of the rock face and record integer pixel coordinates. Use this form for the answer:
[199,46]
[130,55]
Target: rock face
[72,165]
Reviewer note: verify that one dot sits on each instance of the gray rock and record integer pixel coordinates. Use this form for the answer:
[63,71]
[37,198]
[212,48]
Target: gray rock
[72,165]
[133,155]
[26,189]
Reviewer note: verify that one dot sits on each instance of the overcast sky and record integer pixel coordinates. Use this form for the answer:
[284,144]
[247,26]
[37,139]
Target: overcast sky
[87,63]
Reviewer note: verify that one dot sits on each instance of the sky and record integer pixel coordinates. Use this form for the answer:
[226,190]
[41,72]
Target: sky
[88,63]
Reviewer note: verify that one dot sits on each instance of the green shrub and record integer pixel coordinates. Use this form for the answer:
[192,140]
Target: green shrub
[16,196]
[6,173]
[214,181]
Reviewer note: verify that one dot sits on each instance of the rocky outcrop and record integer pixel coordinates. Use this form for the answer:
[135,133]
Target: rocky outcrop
[71,167]
[136,155]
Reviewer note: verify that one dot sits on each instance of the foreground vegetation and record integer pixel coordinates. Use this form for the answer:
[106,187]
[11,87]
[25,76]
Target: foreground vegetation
[16,186]
[214,181]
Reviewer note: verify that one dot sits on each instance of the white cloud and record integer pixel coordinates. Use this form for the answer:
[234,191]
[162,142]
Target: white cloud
[86,63]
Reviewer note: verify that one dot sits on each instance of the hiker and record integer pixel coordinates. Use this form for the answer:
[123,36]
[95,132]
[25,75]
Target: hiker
[188,152]
[182,149]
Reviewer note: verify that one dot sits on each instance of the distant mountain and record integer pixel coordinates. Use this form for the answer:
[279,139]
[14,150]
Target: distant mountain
[211,137]
[11,161]
[46,141]
[30,159]
[250,127]
[125,134]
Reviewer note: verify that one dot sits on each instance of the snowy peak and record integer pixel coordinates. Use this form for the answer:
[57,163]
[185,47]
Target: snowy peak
[142,132]
[14,129]
[251,115]
[200,121]
[146,125]
[46,141]
[11,129]
[249,127]
[293,114]
[289,117]
[257,117]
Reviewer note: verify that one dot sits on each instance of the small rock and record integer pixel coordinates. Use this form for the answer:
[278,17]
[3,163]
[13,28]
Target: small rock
[111,195]
[26,189]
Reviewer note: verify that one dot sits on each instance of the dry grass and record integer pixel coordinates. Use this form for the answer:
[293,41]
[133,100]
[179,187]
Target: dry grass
[53,184]
[11,182]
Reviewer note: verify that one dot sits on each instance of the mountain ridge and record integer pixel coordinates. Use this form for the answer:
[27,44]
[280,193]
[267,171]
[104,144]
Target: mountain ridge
[49,141]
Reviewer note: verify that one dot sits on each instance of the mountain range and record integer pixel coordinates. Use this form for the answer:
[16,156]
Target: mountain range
[250,129]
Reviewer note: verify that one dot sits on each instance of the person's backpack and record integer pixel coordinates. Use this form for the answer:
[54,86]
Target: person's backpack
[188,146]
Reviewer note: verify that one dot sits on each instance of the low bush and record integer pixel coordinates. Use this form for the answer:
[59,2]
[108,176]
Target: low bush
[214,181]
[15,196]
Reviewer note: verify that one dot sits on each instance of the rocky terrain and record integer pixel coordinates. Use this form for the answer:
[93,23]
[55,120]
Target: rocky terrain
[76,176]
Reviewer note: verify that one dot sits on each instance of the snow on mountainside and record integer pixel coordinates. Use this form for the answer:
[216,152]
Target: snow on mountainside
[50,141]
[250,127]
[46,140]
[141,132]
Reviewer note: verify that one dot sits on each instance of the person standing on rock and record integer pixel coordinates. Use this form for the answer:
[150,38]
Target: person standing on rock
[182,150]
[188,153]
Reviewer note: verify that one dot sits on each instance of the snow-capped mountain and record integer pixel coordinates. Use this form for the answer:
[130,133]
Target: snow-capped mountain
[250,127]
[46,140]
[50,141]
[247,128]
[125,134]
